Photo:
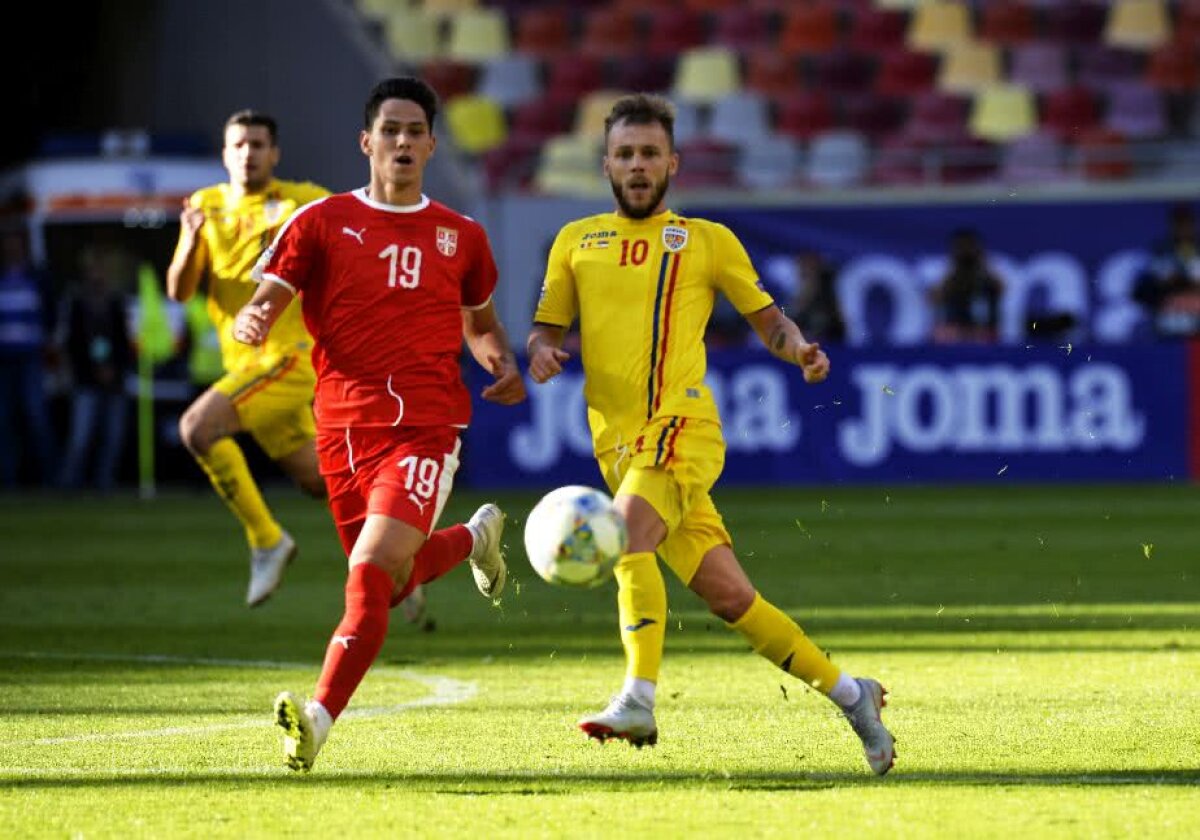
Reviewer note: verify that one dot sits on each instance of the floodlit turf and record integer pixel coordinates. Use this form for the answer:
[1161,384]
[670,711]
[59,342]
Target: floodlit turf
[1041,646]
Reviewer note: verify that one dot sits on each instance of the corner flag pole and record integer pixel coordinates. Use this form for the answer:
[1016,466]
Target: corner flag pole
[154,345]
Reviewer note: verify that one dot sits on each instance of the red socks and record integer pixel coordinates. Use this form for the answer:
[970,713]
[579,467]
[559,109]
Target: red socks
[358,638]
[444,550]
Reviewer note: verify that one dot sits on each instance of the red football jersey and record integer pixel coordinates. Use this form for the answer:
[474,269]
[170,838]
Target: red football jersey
[382,290]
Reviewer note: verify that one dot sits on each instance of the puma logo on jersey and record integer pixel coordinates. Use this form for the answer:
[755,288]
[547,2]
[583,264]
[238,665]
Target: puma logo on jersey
[420,504]
[344,641]
[357,234]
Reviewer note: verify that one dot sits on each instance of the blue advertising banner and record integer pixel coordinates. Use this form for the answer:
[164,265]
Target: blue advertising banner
[1055,258]
[1038,412]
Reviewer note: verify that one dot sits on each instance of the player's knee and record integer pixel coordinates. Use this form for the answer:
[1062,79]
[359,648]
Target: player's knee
[194,433]
[729,600]
[398,566]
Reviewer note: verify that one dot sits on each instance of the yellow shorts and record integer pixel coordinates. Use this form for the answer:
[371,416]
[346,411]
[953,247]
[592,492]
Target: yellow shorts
[272,395]
[673,464]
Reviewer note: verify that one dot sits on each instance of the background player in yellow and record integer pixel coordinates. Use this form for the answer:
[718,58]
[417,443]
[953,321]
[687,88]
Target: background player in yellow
[641,282]
[268,390]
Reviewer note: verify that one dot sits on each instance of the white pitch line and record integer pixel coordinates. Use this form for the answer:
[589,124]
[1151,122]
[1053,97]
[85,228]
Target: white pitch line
[444,691]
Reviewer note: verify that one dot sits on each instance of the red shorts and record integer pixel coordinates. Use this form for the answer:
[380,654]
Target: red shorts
[405,472]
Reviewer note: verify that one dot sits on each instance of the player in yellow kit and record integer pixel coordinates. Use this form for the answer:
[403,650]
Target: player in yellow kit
[268,390]
[641,281]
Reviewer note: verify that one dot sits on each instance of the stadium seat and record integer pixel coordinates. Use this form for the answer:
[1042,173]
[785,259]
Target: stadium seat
[706,163]
[739,28]
[543,31]
[969,67]
[591,113]
[711,5]
[843,71]
[447,7]
[872,115]
[878,30]
[574,75]
[512,164]
[1040,66]
[511,79]
[449,78]
[939,25]
[1036,158]
[771,72]
[1006,22]
[672,30]
[412,35]
[646,73]
[903,72]
[610,32]
[477,35]
[770,161]
[1137,24]
[542,119]
[1002,113]
[1136,111]
[803,114]
[839,158]
[380,9]
[1069,112]
[570,165]
[972,161]
[1099,67]
[705,74]
[1187,22]
[1104,155]
[739,117]
[689,122]
[1076,22]
[1174,68]
[937,118]
[476,122]
[809,29]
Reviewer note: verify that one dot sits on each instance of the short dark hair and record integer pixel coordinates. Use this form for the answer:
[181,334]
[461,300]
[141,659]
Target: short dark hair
[642,109]
[248,117]
[401,87]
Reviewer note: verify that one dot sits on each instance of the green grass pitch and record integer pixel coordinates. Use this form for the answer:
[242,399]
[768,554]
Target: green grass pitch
[1041,646]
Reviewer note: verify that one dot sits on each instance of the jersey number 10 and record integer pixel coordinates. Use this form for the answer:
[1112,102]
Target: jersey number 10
[404,266]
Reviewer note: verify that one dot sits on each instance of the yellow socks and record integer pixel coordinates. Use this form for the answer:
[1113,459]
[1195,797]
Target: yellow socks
[777,638]
[230,476]
[642,608]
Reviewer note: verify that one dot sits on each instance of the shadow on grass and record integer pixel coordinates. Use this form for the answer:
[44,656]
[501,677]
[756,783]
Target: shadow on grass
[533,783]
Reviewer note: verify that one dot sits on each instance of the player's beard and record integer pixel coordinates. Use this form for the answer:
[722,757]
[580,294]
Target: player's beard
[632,212]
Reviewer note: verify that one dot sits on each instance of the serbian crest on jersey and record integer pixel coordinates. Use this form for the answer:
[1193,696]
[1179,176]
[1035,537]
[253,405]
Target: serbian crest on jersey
[447,241]
[674,238]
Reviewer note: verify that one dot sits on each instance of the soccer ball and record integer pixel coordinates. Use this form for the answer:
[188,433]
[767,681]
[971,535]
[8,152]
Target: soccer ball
[574,536]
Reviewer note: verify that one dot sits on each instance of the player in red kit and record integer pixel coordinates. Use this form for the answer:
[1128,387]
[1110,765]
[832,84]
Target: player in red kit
[390,283]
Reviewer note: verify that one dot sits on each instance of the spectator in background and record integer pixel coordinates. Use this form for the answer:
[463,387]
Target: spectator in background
[967,301]
[816,308]
[1170,285]
[26,318]
[100,352]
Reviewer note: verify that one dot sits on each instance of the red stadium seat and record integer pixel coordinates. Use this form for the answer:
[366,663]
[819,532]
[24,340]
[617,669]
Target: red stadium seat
[1174,67]
[1104,154]
[543,119]
[844,71]
[903,72]
[670,31]
[878,29]
[543,31]
[610,32]
[512,164]
[1076,22]
[646,73]
[871,115]
[574,75]
[937,118]
[810,29]
[449,78]
[740,28]
[706,163]
[771,72]
[803,114]
[1007,22]
[1070,112]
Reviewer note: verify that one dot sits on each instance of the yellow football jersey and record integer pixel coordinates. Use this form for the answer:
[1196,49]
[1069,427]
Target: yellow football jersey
[235,232]
[643,291]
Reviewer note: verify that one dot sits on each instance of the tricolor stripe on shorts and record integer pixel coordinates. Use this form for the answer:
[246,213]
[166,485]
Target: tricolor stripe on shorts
[274,374]
[663,295]
[666,441]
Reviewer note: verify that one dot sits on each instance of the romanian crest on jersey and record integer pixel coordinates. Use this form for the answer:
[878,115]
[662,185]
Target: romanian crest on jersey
[674,238]
[447,241]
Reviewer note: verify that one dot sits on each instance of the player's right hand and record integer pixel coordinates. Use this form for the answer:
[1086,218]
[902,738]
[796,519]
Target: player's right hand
[546,363]
[252,324]
[191,219]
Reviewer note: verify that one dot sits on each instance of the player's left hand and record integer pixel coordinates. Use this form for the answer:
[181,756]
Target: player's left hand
[509,387]
[813,362]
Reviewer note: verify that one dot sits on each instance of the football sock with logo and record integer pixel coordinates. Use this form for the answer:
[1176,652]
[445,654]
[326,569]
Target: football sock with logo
[777,638]
[358,638]
[642,608]
[230,476]
[444,550]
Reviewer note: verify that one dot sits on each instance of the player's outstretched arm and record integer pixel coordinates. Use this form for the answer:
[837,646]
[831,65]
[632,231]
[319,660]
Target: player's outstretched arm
[254,320]
[191,255]
[488,342]
[546,356]
[785,341]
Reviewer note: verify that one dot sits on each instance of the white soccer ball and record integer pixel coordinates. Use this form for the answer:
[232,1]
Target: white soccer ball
[574,536]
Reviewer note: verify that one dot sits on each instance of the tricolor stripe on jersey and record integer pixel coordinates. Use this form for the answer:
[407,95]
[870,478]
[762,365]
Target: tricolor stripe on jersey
[662,324]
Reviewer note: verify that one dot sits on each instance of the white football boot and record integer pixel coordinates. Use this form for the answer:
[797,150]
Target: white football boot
[626,718]
[266,569]
[486,558]
[878,744]
[305,729]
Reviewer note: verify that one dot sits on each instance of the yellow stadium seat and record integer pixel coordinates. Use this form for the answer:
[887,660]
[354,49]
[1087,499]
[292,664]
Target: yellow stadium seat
[706,74]
[412,34]
[969,68]
[382,8]
[476,122]
[1003,112]
[936,26]
[1137,24]
[591,113]
[477,35]
[571,165]
[446,7]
